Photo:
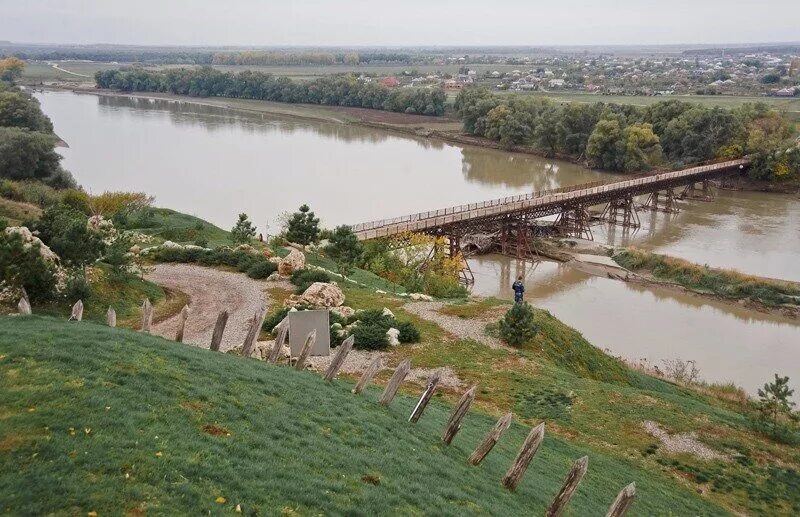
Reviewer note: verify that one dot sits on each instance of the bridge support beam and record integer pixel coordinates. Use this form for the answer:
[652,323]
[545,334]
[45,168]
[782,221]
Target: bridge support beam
[516,239]
[465,275]
[622,212]
[704,193]
[575,222]
[662,201]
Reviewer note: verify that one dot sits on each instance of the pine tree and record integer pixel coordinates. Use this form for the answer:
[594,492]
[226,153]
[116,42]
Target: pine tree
[303,227]
[517,326]
[243,231]
[344,248]
[775,404]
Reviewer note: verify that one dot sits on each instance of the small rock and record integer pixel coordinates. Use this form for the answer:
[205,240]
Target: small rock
[344,311]
[420,297]
[393,335]
[380,291]
[274,277]
[387,312]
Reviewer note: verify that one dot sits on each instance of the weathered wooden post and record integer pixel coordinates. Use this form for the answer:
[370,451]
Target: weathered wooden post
[526,453]
[491,439]
[430,388]
[306,350]
[147,315]
[283,331]
[623,501]
[338,359]
[454,422]
[111,317]
[219,329]
[394,383]
[252,333]
[182,317]
[77,311]
[367,376]
[24,307]
[571,483]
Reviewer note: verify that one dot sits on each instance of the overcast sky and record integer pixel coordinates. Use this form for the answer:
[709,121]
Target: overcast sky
[399,22]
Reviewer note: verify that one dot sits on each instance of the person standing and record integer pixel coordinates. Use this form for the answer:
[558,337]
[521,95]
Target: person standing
[519,290]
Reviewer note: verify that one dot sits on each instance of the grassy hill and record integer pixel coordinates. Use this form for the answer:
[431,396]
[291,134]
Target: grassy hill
[103,420]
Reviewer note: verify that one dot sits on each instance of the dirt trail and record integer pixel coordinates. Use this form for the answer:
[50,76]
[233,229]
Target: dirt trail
[210,292]
[461,328]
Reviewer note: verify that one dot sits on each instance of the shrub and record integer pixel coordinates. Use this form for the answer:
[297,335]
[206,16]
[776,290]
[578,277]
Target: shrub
[22,267]
[63,228]
[77,287]
[261,269]
[517,326]
[77,199]
[370,336]
[409,333]
[303,278]
[441,286]
[272,320]
[373,317]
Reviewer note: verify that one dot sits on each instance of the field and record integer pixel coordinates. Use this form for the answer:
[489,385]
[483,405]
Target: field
[121,421]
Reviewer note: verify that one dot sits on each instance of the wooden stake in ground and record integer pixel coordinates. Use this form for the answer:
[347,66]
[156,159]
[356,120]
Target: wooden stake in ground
[491,439]
[283,331]
[111,317]
[367,376]
[623,501]
[430,388]
[454,422]
[574,477]
[24,307]
[306,350]
[526,453]
[219,329]
[338,359]
[398,377]
[184,315]
[147,315]
[252,333]
[77,311]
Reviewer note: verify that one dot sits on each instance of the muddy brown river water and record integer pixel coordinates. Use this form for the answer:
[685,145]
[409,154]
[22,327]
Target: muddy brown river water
[215,163]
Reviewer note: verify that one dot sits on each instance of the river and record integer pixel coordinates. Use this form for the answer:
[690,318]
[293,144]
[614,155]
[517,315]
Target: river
[215,163]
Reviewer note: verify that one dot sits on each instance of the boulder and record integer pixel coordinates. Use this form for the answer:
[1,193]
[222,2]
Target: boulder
[387,312]
[320,294]
[393,336]
[420,297]
[292,262]
[274,277]
[245,248]
[29,239]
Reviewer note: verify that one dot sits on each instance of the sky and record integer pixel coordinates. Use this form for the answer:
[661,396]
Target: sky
[399,22]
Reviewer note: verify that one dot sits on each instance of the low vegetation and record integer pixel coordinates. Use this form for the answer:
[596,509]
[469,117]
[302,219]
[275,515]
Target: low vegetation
[254,264]
[517,327]
[727,284]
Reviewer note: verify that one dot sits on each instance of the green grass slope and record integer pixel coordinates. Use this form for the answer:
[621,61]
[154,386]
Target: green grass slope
[113,421]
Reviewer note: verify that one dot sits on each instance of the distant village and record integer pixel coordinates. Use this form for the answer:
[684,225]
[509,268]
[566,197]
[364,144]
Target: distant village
[763,74]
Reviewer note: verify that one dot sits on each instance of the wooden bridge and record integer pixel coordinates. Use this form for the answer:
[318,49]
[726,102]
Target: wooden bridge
[511,218]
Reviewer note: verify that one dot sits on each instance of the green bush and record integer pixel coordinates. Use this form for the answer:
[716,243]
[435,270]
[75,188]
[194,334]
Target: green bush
[77,287]
[372,317]
[272,320]
[370,337]
[517,326]
[303,278]
[408,332]
[261,269]
[23,267]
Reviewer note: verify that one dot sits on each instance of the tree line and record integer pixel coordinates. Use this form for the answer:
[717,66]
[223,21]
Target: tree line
[27,142]
[633,138]
[337,90]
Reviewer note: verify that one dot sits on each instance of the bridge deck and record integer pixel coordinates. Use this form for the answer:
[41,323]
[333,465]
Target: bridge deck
[542,203]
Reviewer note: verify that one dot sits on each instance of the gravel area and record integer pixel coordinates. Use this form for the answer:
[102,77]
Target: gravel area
[461,328]
[356,361]
[210,292]
[684,442]
[447,379]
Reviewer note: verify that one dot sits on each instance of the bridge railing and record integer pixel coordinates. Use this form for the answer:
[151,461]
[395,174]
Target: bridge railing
[483,208]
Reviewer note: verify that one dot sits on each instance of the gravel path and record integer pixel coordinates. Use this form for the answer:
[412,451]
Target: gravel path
[210,292]
[461,328]
[682,443]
